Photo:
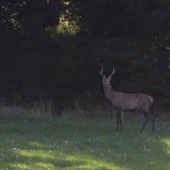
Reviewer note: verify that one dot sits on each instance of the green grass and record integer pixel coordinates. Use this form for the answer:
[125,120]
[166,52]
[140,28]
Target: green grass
[90,145]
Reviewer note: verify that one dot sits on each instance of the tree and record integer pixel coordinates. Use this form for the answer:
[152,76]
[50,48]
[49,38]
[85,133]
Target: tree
[25,46]
[29,15]
[134,35]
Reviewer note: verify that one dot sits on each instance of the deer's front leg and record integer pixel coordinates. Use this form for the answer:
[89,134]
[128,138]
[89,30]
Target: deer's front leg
[119,119]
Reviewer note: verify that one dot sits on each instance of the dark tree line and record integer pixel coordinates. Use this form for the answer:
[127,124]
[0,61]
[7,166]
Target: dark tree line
[131,35]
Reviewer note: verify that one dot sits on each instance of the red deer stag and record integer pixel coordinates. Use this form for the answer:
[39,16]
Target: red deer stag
[125,102]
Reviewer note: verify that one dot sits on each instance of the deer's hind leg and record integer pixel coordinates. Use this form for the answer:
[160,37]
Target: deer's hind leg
[152,117]
[146,119]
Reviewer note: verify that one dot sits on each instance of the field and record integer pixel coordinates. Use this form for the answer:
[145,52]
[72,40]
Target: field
[61,143]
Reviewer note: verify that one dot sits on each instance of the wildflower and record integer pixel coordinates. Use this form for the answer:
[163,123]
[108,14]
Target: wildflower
[79,141]
[37,160]
[89,140]
[34,151]
[29,159]
[57,141]
[75,148]
[61,155]
[50,151]
[96,138]
[66,142]
[54,143]
[2,155]
[125,144]
[57,147]
[74,134]
[25,134]
[17,156]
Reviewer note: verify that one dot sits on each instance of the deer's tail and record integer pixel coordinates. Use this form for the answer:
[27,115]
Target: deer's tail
[151,100]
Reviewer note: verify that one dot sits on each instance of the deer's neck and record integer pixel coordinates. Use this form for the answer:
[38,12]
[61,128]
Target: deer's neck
[109,92]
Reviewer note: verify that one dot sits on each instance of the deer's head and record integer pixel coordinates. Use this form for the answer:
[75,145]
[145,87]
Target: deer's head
[106,80]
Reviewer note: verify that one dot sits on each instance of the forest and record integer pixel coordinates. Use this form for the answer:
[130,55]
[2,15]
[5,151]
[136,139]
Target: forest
[53,49]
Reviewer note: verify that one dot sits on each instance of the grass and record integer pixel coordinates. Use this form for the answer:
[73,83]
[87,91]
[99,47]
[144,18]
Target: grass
[61,143]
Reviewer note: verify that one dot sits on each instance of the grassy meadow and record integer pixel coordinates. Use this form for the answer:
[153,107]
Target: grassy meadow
[28,142]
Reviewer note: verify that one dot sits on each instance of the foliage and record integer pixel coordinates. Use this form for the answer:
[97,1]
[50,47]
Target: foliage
[132,36]
[39,59]
[29,16]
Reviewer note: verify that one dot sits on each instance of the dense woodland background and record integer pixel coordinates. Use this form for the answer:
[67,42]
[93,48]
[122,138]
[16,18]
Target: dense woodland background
[53,49]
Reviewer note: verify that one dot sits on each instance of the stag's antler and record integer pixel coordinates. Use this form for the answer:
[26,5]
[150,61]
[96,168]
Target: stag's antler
[101,71]
[113,72]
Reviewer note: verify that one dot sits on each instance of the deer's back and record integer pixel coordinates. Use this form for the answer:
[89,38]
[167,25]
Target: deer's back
[132,101]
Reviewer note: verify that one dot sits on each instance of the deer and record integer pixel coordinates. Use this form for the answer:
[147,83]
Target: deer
[127,102]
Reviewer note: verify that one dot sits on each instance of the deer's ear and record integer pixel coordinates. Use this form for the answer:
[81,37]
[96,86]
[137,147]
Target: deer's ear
[109,78]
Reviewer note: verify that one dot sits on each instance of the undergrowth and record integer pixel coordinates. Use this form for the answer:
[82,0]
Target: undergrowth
[77,106]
